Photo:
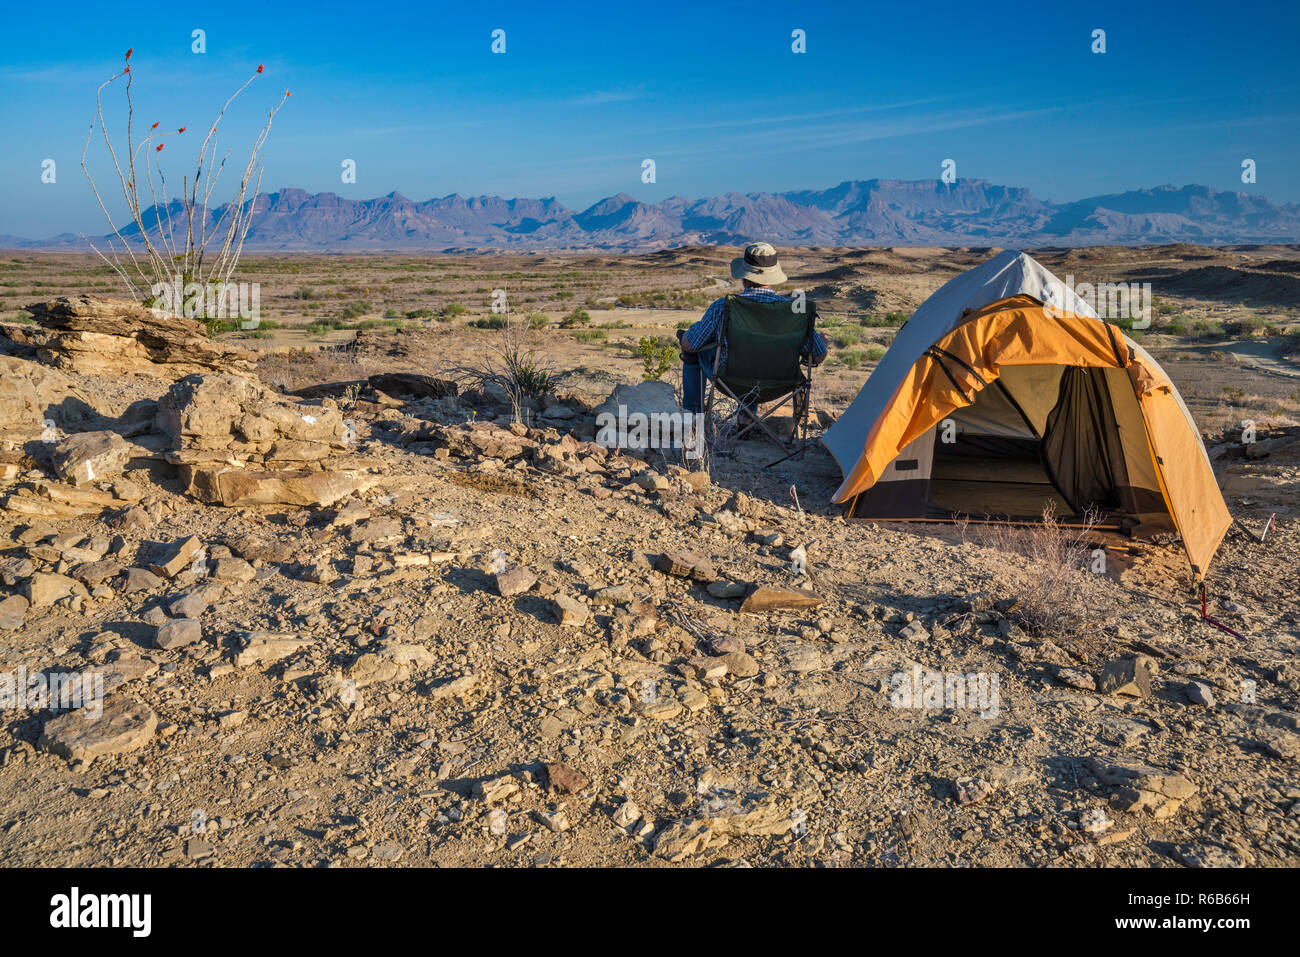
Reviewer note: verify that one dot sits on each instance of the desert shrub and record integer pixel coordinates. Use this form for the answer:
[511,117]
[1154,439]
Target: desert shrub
[392,314]
[354,309]
[1204,329]
[578,317]
[451,311]
[1246,327]
[591,335]
[489,322]
[419,314]
[512,366]
[1176,328]
[1057,595]
[852,358]
[685,324]
[875,353]
[658,355]
[564,294]
[305,292]
[539,320]
[847,336]
[258,333]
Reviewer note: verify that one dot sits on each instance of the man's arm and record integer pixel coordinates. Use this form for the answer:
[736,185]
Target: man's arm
[705,330]
[815,347]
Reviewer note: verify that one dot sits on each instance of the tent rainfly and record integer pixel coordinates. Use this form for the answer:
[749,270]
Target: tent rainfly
[1005,392]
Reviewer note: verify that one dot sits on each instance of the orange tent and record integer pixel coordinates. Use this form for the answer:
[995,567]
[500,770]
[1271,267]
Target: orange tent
[1005,392]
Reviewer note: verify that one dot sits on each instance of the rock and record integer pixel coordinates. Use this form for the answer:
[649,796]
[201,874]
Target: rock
[613,595]
[762,600]
[661,709]
[102,336]
[1281,745]
[914,631]
[515,580]
[139,579]
[90,457]
[177,633]
[232,487]
[969,790]
[1207,855]
[652,482]
[565,779]
[178,556]
[232,569]
[96,573]
[627,814]
[726,589]
[727,644]
[740,664]
[188,606]
[496,790]
[45,588]
[1126,676]
[13,611]
[264,647]
[1142,788]
[1198,692]
[616,419]
[569,612]
[686,565]
[454,688]
[709,669]
[32,394]
[1075,678]
[123,726]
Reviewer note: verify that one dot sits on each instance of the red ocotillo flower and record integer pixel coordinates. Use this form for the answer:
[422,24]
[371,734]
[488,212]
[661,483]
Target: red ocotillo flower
[182,129]
[128,52]
[155,126]
[126,69]
[158,147]
[259,68]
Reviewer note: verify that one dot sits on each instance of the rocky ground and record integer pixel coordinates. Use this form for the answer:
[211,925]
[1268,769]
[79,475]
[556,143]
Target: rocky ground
[480,642]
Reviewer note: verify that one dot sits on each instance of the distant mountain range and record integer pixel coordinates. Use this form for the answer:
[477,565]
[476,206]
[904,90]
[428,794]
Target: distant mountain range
[856,213]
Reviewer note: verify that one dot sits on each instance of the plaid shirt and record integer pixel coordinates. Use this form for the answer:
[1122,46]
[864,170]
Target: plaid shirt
[706,330]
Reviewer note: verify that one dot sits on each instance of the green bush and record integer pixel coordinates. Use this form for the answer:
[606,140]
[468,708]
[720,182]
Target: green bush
[578,317]
[355,309]
[539,320]
[489,322]
[305,292]
[419,314]
[658,355]
[591,335]
[451,311]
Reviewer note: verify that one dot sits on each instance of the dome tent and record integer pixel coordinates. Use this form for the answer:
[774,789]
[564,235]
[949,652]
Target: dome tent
[1005,392]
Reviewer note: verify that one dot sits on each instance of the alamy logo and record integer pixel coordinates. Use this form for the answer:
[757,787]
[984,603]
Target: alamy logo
[62,690]
[72,910]
[655,430]
[941,690]
[213,300]
[1109,300]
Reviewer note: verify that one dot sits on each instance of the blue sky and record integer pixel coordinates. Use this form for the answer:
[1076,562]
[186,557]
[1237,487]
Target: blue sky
[710,91]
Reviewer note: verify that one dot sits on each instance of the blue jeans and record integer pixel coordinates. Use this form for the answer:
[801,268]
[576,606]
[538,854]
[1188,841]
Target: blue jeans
[696,367]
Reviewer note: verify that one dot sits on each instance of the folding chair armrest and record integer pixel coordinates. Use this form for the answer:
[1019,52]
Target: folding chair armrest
[709,345]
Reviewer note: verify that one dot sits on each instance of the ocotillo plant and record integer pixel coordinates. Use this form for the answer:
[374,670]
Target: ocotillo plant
[171,247]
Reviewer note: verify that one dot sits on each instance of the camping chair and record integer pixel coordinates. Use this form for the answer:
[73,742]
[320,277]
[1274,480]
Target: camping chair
[764,364]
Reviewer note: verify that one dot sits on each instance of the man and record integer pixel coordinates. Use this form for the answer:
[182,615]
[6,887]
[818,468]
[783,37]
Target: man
[758,270]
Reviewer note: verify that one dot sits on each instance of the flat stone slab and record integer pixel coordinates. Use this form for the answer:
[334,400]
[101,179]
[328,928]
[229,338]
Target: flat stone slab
[776,599]
[124,725]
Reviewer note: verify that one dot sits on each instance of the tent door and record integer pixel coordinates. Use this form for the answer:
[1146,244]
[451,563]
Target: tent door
[1082,449]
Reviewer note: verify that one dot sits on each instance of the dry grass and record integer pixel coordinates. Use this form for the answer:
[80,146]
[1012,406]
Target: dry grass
[1057,591]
